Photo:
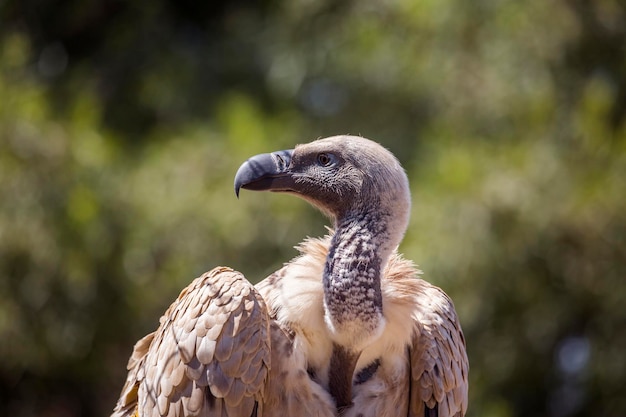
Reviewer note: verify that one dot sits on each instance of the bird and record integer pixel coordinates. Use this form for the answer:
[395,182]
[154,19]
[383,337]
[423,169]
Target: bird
[347,328]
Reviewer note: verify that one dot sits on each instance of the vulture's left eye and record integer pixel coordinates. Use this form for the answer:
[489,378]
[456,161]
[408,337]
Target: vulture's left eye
[324,159]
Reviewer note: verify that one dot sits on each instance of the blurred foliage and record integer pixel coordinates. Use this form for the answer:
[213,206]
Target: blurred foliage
[123,123]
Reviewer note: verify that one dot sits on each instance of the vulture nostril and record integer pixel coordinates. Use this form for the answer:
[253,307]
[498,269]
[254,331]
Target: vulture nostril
[282,160]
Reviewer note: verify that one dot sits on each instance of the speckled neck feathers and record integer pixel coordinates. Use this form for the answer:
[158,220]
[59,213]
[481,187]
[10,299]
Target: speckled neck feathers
[352,273]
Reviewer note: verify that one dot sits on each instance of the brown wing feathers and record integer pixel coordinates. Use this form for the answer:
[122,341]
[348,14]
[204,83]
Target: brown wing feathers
[438,359]
[210,354]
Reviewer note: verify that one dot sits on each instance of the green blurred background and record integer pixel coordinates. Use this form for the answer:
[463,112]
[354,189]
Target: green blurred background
[122,124]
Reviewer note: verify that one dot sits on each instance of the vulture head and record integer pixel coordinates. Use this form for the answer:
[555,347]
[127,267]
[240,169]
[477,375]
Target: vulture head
[344,176]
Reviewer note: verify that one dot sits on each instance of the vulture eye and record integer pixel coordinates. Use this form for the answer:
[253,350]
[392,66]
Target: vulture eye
[324,159]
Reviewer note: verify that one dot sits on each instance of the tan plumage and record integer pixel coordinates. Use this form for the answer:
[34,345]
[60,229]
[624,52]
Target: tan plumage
[210,352]
[227,348]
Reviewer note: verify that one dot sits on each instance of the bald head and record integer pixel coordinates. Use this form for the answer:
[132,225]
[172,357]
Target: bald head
[339,175]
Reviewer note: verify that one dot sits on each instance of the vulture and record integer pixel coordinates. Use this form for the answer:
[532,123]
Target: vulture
[347,328]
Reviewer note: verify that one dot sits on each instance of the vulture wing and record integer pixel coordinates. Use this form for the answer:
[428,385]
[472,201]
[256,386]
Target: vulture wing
[127,404]
[439,364]
[209,356]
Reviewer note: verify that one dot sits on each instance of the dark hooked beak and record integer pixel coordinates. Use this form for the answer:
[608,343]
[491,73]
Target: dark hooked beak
[268,171]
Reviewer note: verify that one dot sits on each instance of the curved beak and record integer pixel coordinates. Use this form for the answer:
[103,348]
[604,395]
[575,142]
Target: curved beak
[268,171]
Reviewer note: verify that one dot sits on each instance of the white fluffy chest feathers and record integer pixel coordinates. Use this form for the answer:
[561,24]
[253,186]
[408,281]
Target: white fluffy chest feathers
[297,300]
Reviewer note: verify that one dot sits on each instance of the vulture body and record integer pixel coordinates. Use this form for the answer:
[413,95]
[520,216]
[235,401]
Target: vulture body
[345,329]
